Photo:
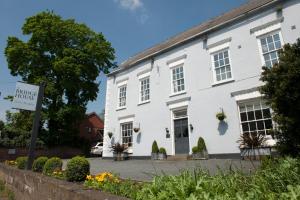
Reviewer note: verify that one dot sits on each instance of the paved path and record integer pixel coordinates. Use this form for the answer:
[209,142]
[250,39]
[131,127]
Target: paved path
[144,170]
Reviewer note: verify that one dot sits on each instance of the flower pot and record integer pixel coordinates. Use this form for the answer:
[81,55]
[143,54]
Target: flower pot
[221,118]
[255,153]
[203,155]
[162,156]
[120,156]
[154,156]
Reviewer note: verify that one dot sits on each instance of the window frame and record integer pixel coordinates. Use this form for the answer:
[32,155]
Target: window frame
[212,54]
[140,89]
[121,130]
[119,96]
[265,35]
[173,67]
[252,102]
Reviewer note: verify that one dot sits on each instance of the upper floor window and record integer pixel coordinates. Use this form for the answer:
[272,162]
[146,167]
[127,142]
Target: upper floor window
[178,79]
[270,44]
[222,68]
[145,89]
[122,96]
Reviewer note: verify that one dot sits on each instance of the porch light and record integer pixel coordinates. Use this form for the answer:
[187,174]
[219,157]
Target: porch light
[191,127]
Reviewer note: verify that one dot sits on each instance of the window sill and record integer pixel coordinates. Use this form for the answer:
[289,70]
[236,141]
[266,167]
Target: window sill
[222,82]
[144,102]
[120,108]
[176,94]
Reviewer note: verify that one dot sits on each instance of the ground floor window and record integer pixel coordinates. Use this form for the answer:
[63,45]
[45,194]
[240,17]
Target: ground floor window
[126,130]
[255,117]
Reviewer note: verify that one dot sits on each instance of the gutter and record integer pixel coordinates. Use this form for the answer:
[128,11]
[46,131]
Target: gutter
[193,37]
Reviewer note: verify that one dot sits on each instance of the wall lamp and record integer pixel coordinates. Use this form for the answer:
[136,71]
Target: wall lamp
[191,127]
[167,133]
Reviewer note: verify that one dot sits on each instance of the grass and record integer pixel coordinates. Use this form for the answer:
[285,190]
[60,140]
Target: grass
[5,193]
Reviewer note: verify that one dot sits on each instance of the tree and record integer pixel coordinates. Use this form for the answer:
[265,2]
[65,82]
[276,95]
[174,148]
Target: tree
[282,92]
[68,57]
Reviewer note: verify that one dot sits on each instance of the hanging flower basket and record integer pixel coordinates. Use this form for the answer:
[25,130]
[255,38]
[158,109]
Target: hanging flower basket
[110,134]
[221,115]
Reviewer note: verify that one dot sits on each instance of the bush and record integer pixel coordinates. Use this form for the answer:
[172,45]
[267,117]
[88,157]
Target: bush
[38,164]
[77,169]
[22,162]
[155,147]
[51,165]
[201,144]
[162,150]
[195,149]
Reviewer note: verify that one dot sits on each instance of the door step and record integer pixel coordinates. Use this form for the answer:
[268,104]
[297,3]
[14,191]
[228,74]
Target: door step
[178,157]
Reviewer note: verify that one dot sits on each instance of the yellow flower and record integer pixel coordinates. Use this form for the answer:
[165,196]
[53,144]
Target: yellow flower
[89,177]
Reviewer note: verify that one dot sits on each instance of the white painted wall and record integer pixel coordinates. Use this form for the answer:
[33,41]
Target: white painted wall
[206,98]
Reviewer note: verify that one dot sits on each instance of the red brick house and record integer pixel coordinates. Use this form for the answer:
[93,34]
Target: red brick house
[91,128]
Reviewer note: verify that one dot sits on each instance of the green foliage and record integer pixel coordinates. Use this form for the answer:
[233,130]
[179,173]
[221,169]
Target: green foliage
[162,150]
[77,169]
[51,165]
[68,57]
[5,193]
[282,92]
[279,179]
[195,149]
[201,144]
[154,147]
[221,116]
[38,164]
[22,162]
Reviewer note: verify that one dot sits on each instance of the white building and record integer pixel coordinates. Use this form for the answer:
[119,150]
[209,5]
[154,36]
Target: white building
[172,91]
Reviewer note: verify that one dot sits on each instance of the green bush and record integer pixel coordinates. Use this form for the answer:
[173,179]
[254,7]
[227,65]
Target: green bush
[195,149]
[51,165]
[201,144]
[77,169]
[162,150]
[38,164]
[22,162]
[155,147]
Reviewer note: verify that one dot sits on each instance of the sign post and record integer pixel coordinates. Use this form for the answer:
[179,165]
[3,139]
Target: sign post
[29,97]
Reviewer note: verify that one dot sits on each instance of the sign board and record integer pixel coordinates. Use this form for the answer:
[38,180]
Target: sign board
[25,97]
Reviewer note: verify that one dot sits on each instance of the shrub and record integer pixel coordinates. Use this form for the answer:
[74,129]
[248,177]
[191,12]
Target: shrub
[51,165]
[195,149]
[201,144]
[162,150]
[155,147]
[22,162]
[77,169]
[38,164]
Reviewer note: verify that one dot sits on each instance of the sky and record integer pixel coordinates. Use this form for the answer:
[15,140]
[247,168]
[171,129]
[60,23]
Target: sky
[130,25]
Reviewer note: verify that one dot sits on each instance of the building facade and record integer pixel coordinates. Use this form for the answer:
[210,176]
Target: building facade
[171,92]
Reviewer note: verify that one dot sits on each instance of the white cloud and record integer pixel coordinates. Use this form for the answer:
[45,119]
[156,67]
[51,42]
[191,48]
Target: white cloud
[130,4]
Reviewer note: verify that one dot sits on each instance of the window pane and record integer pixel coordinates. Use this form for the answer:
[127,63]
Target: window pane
[250,115]
[245,127]
[260,125]
[258,114]
[268,124]
[252,126]
[276,37]
[243,117]
[266,113]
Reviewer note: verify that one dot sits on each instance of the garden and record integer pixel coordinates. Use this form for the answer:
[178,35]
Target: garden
[276,178]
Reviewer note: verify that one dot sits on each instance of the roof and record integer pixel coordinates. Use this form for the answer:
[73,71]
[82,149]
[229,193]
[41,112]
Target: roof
[197,31]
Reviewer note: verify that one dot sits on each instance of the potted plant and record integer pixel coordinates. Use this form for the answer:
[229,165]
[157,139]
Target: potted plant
[119,152]
[252,146]
[200,151]
[221,115]
[155,150]
[110,134]
[162,154]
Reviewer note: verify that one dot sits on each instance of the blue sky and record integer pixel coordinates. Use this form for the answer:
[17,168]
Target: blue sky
[130,25]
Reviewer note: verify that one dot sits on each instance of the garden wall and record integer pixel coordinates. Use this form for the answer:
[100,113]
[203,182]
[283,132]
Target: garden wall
[28,185]
[62,152]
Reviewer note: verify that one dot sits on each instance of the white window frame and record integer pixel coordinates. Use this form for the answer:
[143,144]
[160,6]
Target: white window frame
[253,101]
[215,81]
[173,67]
[142,78]
[121,130]
[264,35]
[122,85]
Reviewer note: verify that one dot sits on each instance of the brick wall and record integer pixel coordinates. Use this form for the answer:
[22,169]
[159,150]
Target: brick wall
[28,185]
[62,152]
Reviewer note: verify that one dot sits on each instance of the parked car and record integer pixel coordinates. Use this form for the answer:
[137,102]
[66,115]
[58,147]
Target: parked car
[97,149]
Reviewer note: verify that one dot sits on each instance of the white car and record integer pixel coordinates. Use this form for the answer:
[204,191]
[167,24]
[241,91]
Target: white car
[97,149]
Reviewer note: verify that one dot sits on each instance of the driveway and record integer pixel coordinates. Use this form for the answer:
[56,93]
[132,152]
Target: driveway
[145,170]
